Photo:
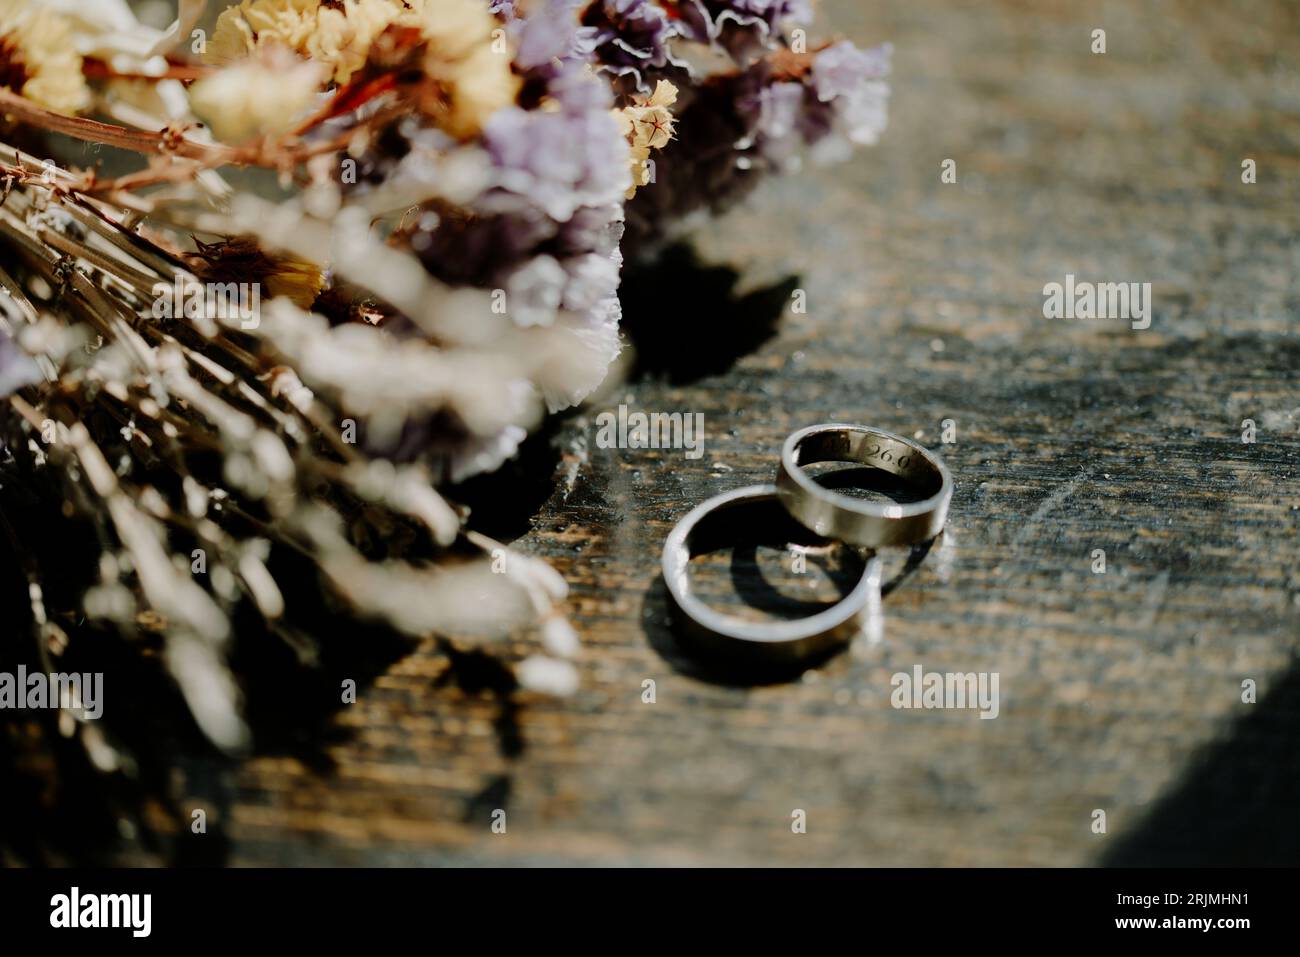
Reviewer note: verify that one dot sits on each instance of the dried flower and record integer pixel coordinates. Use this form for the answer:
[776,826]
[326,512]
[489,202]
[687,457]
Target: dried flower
[38,59]
[548,42]
[632,37]
[229,451]
[550,676]
[828,101]
[16,367]
[457,37]
[266,93]
[741,27]
[464,59]
[337,34]
[416,321]
[647,123]
[736,127]
[241,259]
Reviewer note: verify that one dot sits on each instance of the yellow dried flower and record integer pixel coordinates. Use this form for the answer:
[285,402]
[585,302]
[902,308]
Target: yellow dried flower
[38,59]
[466,59]
[335,34]
[241,258]
[463,56]
[298,281]
[647,123]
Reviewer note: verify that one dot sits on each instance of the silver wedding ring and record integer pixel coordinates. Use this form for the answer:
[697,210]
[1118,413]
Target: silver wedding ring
[828,515]
[722,519]
[834,515]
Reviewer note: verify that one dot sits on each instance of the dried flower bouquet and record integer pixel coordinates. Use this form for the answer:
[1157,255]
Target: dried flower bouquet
[364,247]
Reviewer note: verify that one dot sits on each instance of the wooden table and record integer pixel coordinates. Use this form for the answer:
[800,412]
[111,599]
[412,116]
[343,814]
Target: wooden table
[1120,691]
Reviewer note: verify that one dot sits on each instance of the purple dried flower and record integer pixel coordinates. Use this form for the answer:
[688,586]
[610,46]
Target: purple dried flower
[632,36]
[546,223]
[474,248]
[863,114]
[776,110]
[849,105]
[769,14]
[550,40]
[562,160]
[841,69]
[765,118]
[455,452]
[590,278]
[837,101]
[741,27]
[536,291]
[595,229]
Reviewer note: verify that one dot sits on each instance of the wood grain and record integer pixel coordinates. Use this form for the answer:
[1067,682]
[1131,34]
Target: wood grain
[1120,691]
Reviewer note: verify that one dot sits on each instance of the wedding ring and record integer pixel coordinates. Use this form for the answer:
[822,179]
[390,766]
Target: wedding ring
[835,515]
[726,519]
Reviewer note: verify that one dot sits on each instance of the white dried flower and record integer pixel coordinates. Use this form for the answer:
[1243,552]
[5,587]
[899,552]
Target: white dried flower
[270,93]
[559,637]
[547,676]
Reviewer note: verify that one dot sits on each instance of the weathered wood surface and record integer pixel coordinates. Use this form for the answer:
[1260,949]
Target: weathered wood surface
[1119,691]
